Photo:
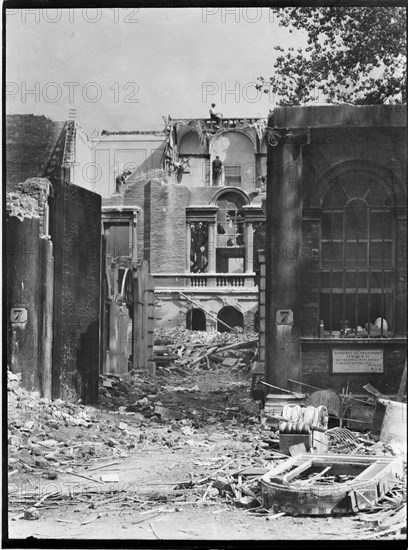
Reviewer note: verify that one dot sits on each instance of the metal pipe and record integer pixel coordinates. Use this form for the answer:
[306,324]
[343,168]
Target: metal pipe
[281,389]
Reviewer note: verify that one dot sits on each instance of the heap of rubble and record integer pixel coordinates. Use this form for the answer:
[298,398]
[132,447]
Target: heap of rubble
[183,350]
[46,434]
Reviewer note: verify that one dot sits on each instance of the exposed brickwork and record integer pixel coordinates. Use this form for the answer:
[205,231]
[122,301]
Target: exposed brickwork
[20,206]
[134,195]
[168,227]
[29,200]
[30,142]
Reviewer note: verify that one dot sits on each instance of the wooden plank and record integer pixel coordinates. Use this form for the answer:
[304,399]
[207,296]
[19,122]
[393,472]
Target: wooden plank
[315,477]
[370,472]
[297,471]
[403,384]
[281,468]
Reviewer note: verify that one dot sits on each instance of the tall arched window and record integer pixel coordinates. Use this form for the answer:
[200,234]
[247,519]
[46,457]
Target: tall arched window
[199,247]
[357,269]
[230,253]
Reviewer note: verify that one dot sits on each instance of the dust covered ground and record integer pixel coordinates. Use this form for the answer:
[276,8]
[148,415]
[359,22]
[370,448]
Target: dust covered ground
[175,457]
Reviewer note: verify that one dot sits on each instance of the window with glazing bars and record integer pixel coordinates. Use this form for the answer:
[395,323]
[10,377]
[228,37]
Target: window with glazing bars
[357,271]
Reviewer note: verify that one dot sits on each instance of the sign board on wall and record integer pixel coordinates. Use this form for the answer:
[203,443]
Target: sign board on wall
[358,361]
[18,315]
[284,317]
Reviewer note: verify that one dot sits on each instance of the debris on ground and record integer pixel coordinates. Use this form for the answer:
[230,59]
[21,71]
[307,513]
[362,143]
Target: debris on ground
[141,411]
[183,350]
[328,484]
[199,402]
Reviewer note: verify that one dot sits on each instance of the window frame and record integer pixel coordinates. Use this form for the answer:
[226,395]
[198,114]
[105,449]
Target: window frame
[369,268]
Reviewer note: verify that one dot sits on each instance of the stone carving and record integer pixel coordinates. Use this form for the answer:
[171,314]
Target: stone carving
[275,136]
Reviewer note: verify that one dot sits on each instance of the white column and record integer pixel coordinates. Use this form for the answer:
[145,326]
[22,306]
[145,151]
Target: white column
[212,244]
[249,247]
[188,247]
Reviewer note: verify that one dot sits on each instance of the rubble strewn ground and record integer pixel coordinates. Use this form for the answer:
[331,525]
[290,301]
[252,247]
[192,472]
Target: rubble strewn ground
[172,457]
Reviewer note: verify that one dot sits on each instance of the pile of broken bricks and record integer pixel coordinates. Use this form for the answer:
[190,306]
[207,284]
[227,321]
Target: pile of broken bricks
[183,351]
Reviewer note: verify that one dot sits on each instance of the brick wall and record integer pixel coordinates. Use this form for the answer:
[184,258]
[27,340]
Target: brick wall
[167,225]
[30,141]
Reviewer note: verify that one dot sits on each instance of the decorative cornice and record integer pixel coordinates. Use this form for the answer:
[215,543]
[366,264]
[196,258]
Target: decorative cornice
[201,213]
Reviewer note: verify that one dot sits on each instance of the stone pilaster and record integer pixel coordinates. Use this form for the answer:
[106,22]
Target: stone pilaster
[283,254]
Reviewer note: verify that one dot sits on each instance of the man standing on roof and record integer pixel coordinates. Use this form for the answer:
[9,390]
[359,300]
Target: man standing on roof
[215,117]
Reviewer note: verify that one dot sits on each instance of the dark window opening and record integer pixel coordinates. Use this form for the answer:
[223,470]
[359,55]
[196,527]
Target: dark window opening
[199,247]
[118,239]
[196,319]
[229,317]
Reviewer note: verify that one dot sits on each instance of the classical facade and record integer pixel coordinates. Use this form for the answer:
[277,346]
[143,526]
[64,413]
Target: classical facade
[335,287]
[199,230]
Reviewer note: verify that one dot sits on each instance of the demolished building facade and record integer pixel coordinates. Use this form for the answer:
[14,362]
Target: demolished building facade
[182,246]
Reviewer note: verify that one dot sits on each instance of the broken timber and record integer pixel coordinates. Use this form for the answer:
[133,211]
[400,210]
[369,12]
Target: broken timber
[293,486]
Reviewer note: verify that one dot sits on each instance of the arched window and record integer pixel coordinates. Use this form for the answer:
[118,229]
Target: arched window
[229,317]
[196,319]
[230,253]
[357,269]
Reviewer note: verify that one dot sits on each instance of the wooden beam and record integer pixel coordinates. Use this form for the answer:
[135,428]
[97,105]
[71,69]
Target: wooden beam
[403,384]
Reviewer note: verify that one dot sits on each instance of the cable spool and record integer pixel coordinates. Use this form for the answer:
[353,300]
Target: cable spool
[327,398]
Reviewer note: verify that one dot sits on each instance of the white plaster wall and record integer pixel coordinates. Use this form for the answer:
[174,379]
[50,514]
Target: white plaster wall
[236,149]
[112,154]
[190,145]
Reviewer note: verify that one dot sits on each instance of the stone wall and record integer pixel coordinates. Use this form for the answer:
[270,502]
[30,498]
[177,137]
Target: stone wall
[167,226]
[171,308]
[352,153]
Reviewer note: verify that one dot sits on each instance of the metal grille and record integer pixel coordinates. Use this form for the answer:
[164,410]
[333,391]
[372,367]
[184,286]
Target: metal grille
[357,270]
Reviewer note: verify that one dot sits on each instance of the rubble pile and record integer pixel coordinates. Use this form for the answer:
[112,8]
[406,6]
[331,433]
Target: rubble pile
[343,441]
[132,414]
[389,516]
[182,350]
[181,335]
[176,397]
[49,434]
[185,386]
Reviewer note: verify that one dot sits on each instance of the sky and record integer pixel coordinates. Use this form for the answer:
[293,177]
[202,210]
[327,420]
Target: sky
[124,69]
